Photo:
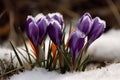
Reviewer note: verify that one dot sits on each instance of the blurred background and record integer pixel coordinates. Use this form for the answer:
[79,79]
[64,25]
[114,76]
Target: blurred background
[13,13]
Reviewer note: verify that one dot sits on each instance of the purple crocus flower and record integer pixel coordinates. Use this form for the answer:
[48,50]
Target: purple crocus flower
[42,24]
[38,17]
[85,23]
[32,30]
[55,32]
[98,27]
[56,16]
[76,43]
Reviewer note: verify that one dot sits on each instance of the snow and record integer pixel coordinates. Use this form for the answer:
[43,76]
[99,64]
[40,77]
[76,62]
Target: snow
[6,53]
[109,73]
[106,48]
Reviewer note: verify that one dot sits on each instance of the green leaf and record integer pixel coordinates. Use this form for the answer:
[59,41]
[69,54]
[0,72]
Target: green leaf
[79,59]
[65,57]
[19,60]
[48,55]
[84,64]
[23,56]
[23,38]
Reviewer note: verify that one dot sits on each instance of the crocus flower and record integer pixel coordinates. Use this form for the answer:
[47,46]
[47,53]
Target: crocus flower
[42,24]
[76,43]
[56,16]
[38,17]
[55,32]
[85,22]
[32,30]
[98,27]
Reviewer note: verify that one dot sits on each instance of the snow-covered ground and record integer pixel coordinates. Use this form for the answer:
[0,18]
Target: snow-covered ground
[109,73]
[106,48]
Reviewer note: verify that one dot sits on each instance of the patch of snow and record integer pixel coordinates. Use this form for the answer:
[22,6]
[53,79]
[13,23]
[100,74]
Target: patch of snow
[6,53]
[107,47]
[111,72]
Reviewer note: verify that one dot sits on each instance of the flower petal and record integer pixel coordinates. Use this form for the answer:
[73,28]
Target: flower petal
[76,43]
[85,23]
[56,16]
[98,27]
[55,32]
[32,31]
[38,17]
[42,24]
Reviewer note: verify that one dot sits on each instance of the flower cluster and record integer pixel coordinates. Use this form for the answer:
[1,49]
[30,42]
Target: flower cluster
[87,28]
[38,26]
[67,57]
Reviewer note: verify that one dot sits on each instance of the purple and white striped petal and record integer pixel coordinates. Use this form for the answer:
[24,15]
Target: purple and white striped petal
[98,27]
[32,31]
[85,23]
[42,24]
[76,43]
[55,32]
[56,16]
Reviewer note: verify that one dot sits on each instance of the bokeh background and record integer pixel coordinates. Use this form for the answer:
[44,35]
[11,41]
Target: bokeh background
[13,13]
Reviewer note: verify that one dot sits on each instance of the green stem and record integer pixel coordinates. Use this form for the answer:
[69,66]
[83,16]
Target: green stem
[64,56]
[81,55]
[48,57]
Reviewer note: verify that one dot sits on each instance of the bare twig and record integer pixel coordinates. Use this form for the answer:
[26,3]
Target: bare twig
[2,75]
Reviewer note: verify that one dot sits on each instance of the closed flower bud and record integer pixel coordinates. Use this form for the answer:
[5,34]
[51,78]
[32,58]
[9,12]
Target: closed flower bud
[98,27]
[56,16]
[55,32]
[38,17]
[76,43]
[42,24]
[32,30]
[85,23]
